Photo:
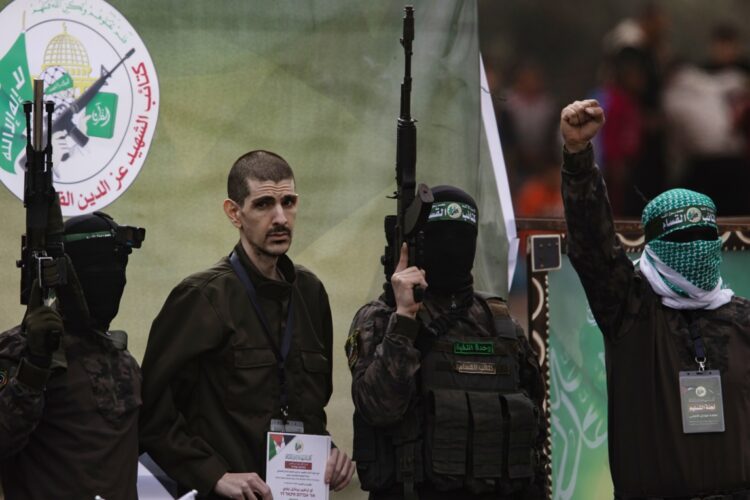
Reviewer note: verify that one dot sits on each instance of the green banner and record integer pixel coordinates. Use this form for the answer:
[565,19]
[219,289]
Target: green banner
[578,386]
[317,82]
[15,88]
[12,130]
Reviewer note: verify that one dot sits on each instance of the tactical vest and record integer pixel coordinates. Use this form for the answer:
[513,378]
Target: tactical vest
[471,428]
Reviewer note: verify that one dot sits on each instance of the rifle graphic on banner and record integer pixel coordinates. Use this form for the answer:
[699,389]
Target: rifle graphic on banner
[65,120]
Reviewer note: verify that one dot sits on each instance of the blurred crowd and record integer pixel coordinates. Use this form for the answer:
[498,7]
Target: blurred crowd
[672,121]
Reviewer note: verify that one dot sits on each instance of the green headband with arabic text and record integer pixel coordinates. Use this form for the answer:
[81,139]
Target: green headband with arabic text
[453,211]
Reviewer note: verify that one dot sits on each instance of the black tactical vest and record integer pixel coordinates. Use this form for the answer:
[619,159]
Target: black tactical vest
[472,428]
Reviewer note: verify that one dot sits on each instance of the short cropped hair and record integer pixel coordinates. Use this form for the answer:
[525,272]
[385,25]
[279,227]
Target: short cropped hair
[259,165]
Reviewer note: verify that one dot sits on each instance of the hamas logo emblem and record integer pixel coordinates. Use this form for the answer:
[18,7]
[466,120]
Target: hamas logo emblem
[98,73]
[693,215]
[454,211]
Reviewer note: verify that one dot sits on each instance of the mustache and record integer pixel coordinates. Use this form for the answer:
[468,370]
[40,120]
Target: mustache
[279,230]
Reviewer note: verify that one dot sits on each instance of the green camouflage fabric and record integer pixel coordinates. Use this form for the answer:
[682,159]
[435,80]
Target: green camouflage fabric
[22,406]
[385,366]
[114,375]
[697,261]
[646,345]
[383,363]
[79,437]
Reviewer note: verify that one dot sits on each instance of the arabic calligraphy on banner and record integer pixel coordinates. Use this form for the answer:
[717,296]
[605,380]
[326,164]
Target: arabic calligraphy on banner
[104,85]
[577,393]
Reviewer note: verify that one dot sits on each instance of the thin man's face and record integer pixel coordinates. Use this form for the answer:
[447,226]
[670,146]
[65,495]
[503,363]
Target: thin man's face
[267,216]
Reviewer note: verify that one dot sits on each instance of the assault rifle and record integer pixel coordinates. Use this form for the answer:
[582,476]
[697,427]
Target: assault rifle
[42,245]
[412,208]
[65,120]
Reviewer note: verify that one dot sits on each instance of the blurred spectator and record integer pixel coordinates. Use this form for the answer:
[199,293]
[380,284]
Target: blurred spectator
[637,53]
[645,35]
[527,123]
[707,109]
[622,135]
[726,52]
[540,195]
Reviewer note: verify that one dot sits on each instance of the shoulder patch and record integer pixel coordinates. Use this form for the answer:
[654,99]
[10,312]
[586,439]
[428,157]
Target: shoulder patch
[3,377]
[352,347]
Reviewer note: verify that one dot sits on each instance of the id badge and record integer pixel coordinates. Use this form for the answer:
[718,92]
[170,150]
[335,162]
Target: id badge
[291,426]
[702,403]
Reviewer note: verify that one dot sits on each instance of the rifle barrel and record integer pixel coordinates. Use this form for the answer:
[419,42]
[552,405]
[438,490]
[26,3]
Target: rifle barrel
[38,109]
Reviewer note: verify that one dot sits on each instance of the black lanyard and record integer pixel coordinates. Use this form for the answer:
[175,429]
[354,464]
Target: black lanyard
[286,339]
[698,347]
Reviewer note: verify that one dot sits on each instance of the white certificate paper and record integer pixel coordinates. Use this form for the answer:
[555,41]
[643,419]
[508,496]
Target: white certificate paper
[296,466]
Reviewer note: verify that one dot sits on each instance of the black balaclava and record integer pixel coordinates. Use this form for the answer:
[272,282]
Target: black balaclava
[99,249]
[450,238]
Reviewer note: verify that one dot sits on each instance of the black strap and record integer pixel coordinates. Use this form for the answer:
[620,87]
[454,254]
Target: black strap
[32,375]
[286,339]
[699,347]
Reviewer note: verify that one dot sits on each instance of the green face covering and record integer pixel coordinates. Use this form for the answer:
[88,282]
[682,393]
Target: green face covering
[676,210]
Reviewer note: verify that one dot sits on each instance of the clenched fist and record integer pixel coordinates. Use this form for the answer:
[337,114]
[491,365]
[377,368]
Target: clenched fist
[579,123]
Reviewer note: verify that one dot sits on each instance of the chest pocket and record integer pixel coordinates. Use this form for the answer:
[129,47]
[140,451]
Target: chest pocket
[252,383]
[314,381]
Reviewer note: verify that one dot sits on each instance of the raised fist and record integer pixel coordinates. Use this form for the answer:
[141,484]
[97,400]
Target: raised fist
[579,123]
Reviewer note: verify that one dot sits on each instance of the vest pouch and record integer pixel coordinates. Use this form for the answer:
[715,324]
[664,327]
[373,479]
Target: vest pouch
[523,429]
[487,439]
[446,438]
[374,455]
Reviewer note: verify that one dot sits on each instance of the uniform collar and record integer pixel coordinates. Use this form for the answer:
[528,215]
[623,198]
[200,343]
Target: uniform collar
[266,287]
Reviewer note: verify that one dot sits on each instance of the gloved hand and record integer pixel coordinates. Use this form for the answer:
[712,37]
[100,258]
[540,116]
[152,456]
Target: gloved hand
[44,328]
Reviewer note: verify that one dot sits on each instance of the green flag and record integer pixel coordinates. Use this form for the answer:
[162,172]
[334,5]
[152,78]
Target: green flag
[12,125]
[65,82]
[102,111]
[15,87]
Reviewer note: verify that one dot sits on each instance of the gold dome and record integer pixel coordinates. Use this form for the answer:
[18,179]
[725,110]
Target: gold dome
[68,52]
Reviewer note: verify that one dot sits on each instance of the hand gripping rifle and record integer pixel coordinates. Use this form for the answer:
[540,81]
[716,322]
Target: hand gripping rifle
[41,246]
[412,208]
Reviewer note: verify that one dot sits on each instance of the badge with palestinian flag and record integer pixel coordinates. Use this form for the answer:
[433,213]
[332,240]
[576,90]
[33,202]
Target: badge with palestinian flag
[277,442]
[98,73]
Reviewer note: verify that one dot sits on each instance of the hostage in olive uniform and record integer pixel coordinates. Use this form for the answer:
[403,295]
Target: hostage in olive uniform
[666,317]
[69,404]
[244,342]
[447,393]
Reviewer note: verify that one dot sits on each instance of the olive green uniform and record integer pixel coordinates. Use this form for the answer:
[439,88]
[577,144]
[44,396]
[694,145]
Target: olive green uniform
[76,437]
[211,385]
